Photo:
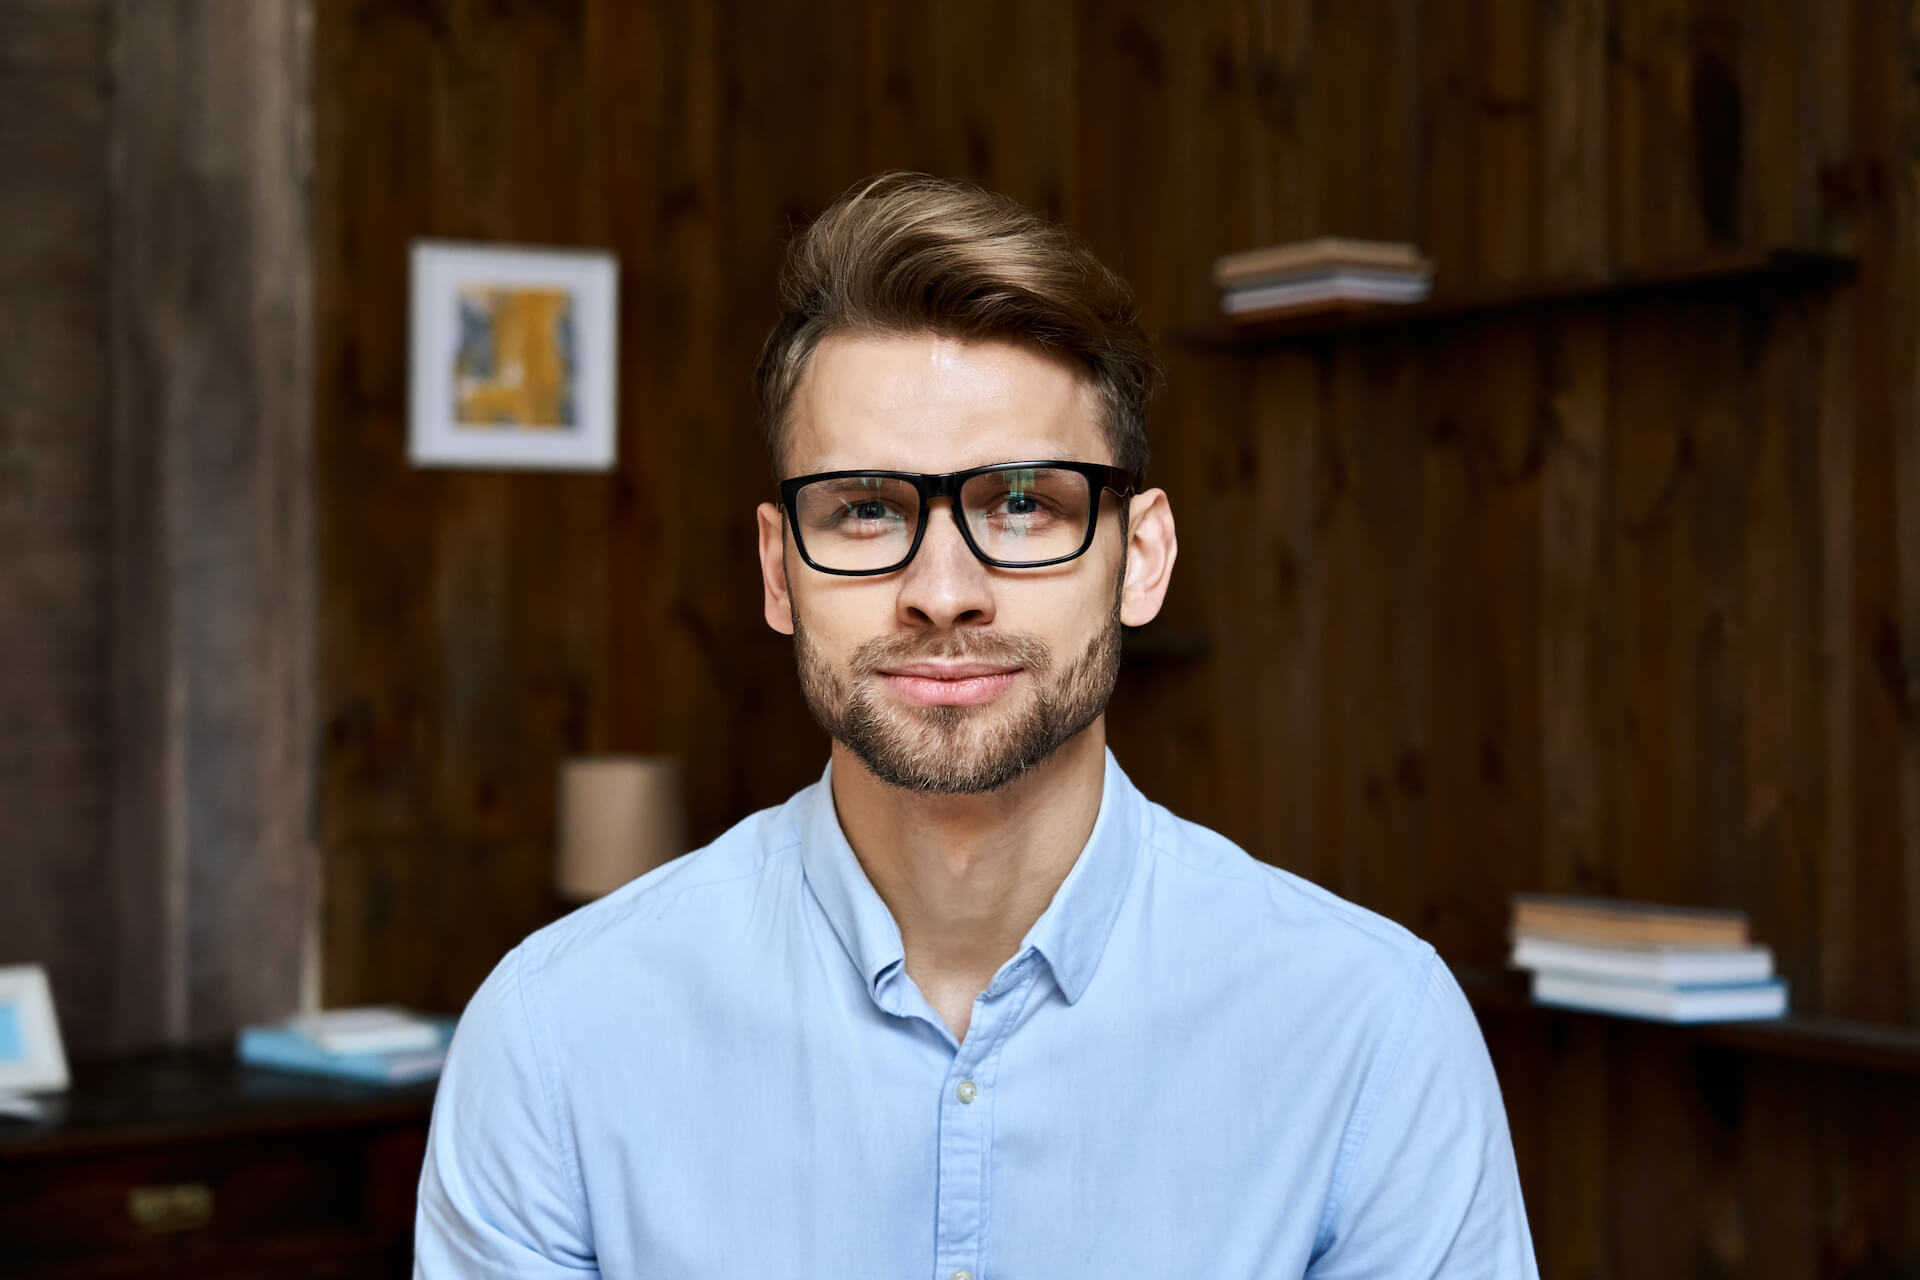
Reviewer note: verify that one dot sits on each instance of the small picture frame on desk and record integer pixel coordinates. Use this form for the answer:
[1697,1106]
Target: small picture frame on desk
[513,357]
[31,1058]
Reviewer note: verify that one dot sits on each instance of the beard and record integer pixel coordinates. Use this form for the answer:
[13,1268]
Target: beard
[955,750]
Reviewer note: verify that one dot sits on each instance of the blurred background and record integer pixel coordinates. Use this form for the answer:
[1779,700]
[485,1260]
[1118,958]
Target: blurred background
[1584,590]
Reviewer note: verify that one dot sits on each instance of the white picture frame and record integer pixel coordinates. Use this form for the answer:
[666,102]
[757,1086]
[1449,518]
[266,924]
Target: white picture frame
[31,1057]
[513,356]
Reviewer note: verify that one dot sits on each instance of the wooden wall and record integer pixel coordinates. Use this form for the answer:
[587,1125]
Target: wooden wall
[215,882]
[1623,602]
[55,552]
[155,558]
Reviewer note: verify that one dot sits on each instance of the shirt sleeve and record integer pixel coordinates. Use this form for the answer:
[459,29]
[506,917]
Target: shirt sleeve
[1429,1187]
[499,1194]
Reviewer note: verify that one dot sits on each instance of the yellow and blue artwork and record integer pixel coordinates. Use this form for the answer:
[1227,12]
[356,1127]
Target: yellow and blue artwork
[517,361]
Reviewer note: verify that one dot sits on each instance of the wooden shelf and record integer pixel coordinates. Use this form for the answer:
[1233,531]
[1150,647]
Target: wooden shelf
[1756,274]
[1864,1046]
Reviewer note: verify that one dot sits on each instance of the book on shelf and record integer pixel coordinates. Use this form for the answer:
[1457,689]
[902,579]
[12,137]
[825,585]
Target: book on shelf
[1642,961]
[1324,253]
[1611,920]
[1323,286]
[370,1029]
[1662,1002]
[409,1055]
[1328,274]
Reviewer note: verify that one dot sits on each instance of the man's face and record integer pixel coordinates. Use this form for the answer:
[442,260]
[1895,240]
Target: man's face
[948,675]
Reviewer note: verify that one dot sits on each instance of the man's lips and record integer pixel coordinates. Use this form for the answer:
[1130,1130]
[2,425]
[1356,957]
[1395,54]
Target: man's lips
[949,684]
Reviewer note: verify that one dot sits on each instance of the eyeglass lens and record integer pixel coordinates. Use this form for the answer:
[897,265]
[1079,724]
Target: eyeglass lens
[1018,516]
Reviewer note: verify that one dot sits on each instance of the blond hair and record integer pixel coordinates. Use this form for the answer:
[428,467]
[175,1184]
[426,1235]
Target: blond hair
[910,253]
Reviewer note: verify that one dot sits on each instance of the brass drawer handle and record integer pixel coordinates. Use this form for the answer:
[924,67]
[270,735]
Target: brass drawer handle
[180,1207]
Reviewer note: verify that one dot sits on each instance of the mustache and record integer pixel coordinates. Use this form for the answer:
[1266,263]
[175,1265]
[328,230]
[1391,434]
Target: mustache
[957,646]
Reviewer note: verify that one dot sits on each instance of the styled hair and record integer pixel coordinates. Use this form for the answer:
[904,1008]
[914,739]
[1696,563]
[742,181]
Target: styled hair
[904,253]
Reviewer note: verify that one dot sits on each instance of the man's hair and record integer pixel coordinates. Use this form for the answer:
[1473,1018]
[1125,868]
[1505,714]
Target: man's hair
[905,253]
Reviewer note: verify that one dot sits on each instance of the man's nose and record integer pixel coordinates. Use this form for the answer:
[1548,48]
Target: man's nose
[945,585]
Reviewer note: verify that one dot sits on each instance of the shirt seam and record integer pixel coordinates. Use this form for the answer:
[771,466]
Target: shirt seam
[567,1161]
[1170,851]
[1360,1121]
[547,943]
[1278,880]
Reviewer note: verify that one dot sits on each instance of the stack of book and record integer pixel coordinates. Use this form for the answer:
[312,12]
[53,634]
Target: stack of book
[1328,274]
[1671,964]
[380,1043]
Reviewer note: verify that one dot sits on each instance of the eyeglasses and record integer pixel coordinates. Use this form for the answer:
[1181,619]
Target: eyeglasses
[1013,515]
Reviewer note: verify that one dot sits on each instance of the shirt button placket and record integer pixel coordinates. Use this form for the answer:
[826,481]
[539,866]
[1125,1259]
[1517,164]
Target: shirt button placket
[963,1157]
[966,1129]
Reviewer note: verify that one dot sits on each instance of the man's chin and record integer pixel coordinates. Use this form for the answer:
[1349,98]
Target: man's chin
[944,733]
[971,745]
[940,776]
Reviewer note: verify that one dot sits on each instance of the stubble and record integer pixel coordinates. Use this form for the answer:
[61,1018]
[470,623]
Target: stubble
[951,750]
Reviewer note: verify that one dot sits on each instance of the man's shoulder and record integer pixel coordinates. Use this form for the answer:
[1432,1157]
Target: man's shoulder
[681,899]
[1221,882]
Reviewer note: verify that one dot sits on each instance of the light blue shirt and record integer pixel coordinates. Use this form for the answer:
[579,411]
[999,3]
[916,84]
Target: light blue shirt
[1196,1066]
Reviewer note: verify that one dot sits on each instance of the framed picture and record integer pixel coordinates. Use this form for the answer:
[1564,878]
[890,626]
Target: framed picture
[30,1055]
[512,357]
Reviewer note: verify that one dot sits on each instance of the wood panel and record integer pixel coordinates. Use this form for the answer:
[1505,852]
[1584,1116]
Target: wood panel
[1614,601]
[1870,982]
[213,869]
[55,534]
[465,646]
[1899,653]
[154,554]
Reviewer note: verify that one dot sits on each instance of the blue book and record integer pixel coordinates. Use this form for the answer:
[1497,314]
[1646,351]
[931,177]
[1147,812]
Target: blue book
[284,1048]
[1668,1002]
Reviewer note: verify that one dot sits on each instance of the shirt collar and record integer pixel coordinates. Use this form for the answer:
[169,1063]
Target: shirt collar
[1071,933]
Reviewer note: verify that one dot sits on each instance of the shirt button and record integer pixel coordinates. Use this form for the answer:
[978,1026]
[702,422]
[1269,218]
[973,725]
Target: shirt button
[966,1093]
[961,1275]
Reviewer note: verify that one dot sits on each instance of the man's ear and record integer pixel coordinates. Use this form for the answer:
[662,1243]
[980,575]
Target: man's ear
[773,568]
[1151,548]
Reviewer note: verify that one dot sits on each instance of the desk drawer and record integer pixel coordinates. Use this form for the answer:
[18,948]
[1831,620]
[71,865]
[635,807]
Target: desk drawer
[201,1200]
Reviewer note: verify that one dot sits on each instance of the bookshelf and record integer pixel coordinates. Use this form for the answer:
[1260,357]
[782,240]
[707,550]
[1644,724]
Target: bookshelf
[1756,274]
[1836,1042]
[1761,276]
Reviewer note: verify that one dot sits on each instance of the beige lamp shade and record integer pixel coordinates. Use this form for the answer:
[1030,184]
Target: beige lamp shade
[620,816]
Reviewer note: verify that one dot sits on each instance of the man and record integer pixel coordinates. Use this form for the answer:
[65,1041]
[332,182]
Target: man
[969,1008]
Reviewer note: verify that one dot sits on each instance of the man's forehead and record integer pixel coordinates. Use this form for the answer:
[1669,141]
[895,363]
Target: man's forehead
[928,402]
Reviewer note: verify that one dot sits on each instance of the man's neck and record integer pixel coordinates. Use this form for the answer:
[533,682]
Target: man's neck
[966,876]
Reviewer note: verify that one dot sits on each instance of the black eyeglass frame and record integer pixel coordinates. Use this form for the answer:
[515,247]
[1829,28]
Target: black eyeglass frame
[1100,479]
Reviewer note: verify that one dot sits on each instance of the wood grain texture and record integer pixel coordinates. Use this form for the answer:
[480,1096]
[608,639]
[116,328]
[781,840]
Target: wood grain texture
[1871,977]
[1578,646]
[155,623]
[55,527]
[1615,600]
[1900,654]
[214,872]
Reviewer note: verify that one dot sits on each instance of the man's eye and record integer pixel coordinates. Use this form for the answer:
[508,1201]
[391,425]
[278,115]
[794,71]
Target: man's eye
[870,510]
[1016,504]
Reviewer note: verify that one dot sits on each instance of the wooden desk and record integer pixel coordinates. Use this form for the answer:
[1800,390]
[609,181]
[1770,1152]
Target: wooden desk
[184,1163]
